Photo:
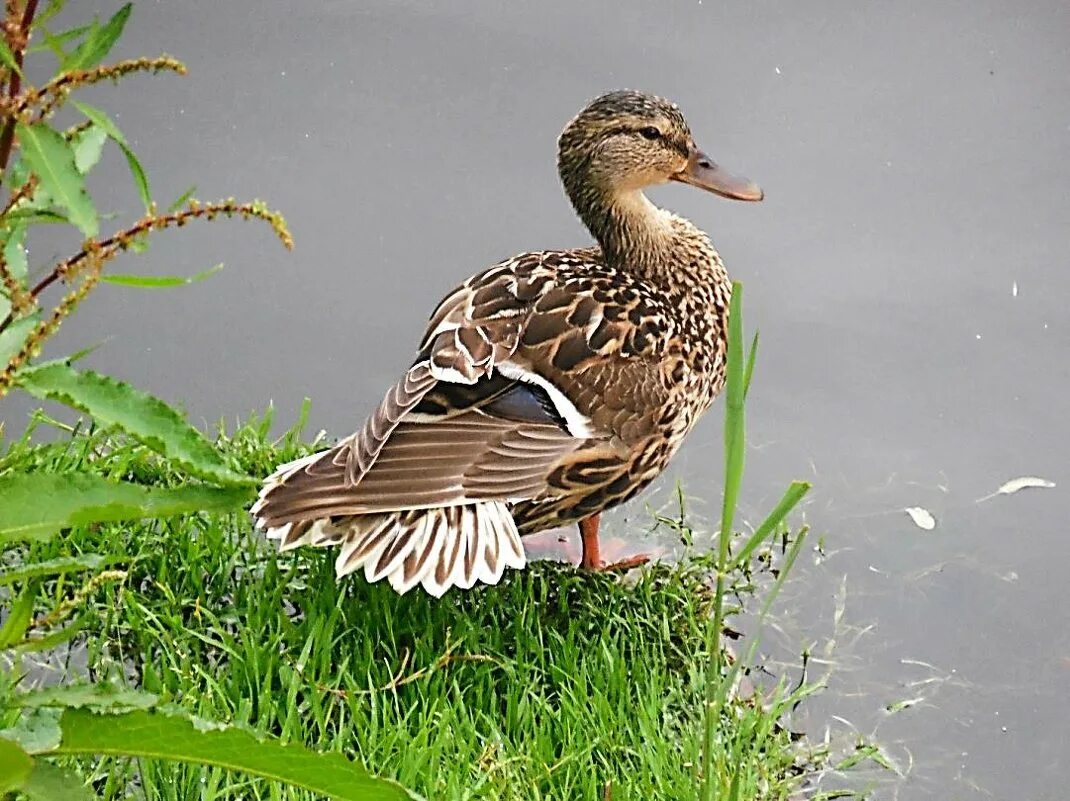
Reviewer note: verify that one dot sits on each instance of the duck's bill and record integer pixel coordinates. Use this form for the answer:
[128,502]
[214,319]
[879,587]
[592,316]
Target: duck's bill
[703,172]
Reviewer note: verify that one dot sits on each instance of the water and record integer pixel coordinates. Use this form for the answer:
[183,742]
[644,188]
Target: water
[915,160]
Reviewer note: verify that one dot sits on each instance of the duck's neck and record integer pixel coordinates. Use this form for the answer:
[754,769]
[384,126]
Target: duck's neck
[635,235]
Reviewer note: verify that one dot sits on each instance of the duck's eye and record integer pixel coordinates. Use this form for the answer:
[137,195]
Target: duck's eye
[650,132]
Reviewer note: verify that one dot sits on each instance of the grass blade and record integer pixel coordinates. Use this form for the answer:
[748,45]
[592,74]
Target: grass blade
[734,445]
[792,495]
[19,616]
[752,354]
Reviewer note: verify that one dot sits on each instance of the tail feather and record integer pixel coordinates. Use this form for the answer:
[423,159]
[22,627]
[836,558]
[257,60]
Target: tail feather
[437,548]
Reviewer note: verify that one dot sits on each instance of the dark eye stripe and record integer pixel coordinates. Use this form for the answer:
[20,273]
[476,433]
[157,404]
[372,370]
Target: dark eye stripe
[680,147]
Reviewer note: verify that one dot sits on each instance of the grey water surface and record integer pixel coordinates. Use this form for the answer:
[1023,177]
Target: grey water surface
[909,271]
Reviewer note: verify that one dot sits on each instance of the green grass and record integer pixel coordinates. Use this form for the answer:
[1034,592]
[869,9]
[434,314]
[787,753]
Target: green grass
[552,685]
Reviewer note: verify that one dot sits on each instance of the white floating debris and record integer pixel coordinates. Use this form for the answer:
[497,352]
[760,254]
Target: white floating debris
[1025,482]
[1014,289]
[1017,484]
[922,518]
[777,70]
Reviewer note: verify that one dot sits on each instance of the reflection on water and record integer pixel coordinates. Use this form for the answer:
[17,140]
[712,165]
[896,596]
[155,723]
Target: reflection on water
[908,272]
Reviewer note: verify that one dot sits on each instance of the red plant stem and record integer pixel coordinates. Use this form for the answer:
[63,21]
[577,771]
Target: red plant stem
[7,137]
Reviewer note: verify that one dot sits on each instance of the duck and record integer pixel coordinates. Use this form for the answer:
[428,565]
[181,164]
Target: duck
[546,389]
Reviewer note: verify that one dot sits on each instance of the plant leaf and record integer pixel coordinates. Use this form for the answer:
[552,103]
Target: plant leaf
[141,181]
[102,697]
[50,157]
[53,8]
[182,199]
[37,730]
[144,417]
[15,766]
[735,442]
[19,616]
[55,567]
[156,735]
[792,495]
[160,281]
[88,146]
[53,43]
[13,337]
[48,782]
[36,215]
[748,373]
[7,57]
[54,639]
[75,499]
[98,42]
[15,250]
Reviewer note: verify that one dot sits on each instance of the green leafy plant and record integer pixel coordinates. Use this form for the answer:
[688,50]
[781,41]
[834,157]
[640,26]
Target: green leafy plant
[728,768]
[43,171]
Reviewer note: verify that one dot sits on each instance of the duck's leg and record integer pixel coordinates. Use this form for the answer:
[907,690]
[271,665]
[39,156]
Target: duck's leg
[591,559]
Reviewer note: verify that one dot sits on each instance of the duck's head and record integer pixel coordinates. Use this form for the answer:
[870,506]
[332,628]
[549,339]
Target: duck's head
[626,140]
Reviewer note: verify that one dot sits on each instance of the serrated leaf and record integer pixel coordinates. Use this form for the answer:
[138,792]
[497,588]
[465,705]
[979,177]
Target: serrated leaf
[161,281]
[15,766]
[141,181]
[101,697]
[98,42]
[55,567]
[146,418]
[154,735]
[48,782]
[14,336]
[88,145]
[34,506]
[51,159]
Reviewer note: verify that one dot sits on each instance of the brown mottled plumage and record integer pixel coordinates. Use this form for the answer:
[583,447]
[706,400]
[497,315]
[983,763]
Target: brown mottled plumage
[547,388]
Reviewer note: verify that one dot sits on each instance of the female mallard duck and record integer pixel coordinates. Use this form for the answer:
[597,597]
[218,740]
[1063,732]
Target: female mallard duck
[552,386]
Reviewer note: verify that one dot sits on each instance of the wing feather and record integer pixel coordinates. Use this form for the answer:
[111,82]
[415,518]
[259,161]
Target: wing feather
[514,375]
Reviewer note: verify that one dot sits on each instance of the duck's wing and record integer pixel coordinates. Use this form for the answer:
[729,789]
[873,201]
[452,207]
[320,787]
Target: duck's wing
[520,369]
